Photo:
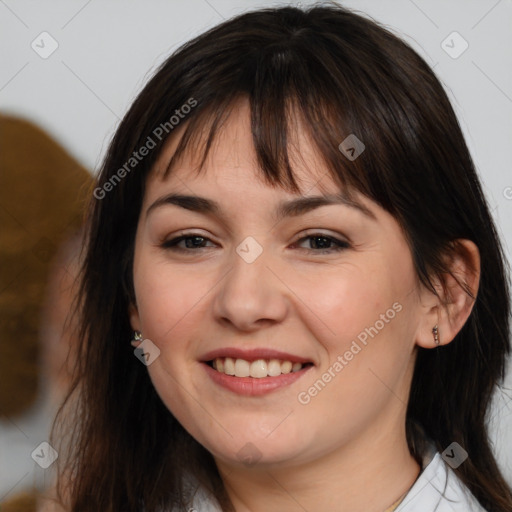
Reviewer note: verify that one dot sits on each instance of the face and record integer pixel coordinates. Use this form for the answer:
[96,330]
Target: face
[331,287]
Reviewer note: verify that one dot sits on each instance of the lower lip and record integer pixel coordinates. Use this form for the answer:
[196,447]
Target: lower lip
[251,386]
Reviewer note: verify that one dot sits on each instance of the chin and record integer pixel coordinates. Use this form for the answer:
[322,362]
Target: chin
[257,450]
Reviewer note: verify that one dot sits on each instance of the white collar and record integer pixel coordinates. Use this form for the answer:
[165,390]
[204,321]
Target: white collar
[438,489]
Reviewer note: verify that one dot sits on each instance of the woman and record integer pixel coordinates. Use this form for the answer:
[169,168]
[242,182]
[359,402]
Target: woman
[289,226]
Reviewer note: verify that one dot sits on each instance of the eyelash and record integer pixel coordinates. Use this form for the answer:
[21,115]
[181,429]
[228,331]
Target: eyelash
[342,245]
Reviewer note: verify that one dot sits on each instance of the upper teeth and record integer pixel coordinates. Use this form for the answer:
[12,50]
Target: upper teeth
[257,369]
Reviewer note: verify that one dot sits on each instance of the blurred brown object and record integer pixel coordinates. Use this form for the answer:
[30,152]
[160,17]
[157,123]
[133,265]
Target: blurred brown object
[25,502]
[42,194]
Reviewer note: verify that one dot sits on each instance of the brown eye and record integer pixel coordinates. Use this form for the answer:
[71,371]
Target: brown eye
[192,241]
[322,243]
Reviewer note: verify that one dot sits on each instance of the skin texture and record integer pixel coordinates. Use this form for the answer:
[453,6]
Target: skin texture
[347,445]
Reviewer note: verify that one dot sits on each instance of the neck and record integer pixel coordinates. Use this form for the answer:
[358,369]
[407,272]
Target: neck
[369,475]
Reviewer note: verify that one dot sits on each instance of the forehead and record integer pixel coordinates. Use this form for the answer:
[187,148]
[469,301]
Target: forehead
[232,156]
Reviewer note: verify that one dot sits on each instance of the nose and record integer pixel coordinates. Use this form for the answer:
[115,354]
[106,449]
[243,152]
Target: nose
[251,295]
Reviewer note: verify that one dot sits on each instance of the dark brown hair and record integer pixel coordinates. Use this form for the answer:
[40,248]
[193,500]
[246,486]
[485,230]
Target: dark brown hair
[342,74]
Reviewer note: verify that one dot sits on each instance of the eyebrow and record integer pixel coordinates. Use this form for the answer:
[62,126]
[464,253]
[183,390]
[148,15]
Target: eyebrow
[289,208]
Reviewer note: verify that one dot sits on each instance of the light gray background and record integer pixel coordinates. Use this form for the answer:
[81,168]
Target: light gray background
[109,48]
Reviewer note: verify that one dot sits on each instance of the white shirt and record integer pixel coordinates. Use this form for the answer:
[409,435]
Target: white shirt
[437,489]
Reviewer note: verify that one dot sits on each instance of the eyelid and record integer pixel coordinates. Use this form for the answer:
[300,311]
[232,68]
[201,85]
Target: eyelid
[318,232]
[306,233]
[183,233]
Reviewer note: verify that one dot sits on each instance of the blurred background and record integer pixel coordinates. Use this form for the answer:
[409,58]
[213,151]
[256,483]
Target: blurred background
[70,70]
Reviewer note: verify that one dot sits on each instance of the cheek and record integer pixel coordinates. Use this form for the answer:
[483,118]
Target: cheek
[168,303]
[350,300]
[364,314]
[165,296]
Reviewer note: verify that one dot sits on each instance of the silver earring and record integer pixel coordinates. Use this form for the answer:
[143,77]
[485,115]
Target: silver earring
[435,332]
[137,339]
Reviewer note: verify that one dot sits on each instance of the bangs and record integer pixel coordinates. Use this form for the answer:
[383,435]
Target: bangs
[312,108]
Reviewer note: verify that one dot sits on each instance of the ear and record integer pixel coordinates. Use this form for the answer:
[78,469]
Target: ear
[135,323]
[450,309]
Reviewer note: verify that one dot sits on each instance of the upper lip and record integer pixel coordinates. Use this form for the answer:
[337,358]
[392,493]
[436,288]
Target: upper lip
[253,354]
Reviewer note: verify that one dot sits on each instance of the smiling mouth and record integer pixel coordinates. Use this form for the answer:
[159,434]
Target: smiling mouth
[257,369]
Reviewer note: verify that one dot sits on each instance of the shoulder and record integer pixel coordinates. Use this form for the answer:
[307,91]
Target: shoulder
[438,489]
